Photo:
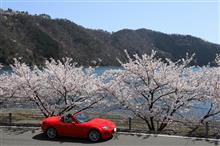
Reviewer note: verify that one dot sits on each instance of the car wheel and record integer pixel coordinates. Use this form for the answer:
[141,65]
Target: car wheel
[94,135]
[51,133]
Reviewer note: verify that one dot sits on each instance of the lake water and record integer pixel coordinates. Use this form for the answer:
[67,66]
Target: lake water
[101,70]
[98,70]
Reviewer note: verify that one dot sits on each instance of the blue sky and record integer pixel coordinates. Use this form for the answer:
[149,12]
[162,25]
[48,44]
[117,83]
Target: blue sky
[195,17]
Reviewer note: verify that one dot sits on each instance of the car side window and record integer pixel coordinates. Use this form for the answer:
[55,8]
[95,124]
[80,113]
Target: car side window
[66,119]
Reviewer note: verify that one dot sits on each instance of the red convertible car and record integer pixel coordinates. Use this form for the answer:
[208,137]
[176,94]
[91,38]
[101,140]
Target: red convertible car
[78,125]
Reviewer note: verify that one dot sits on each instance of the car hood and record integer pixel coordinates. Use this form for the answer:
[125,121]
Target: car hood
[101,122]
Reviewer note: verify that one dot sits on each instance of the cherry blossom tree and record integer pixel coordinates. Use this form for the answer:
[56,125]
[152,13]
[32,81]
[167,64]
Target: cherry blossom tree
[211,90]
[57,88]
[153,90]
[209,101]
[6,90]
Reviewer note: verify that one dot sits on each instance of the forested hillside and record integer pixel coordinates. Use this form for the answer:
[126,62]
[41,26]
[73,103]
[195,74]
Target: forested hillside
[38,37]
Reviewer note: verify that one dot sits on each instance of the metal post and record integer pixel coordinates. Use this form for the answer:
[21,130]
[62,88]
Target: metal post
[206,129]
[10,119]
[129,123]
[157,126]
[213,126]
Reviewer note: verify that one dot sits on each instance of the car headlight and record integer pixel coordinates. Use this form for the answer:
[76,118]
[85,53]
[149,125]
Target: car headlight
[105,127]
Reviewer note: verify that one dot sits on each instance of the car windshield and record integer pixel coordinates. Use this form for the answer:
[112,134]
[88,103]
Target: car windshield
[82,117]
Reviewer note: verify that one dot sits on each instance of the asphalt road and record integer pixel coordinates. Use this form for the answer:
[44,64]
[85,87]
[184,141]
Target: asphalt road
[34,137]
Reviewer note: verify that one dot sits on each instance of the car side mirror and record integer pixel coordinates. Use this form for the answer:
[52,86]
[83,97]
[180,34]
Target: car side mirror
[62,119]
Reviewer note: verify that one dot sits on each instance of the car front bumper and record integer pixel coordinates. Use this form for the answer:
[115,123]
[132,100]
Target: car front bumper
[108,133]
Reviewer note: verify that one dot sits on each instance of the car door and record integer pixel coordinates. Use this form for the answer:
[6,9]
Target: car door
[64,128]
[79,130]
[73,129]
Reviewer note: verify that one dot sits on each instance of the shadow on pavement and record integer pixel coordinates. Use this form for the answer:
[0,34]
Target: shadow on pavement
[43,137]
[189,139]
[214,142]
[139,135]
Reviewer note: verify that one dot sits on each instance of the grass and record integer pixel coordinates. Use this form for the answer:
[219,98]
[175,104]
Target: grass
[21,116]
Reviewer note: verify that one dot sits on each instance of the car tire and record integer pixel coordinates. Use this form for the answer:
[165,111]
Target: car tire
[51,133]
[94,136]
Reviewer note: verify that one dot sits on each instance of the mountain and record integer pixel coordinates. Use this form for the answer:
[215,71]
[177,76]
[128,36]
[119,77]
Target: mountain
[38,37]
